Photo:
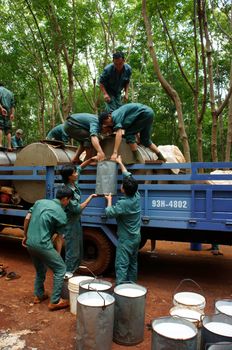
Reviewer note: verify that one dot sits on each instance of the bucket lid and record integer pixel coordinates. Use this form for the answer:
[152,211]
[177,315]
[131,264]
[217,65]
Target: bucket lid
[219,328]
[95,299]
[224,306]
[189,314]
[189,299]
[174,328]
[130,290]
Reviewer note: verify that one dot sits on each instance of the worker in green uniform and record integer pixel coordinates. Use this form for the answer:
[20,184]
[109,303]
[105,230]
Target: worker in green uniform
[7,110]
[134,118]
[73,231]
[16,140]
[58,133]
[127,213]
[84,128]
[45,218]
[115,78]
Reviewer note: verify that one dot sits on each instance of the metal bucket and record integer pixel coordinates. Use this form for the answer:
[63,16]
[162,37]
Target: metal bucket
[189,299]
[106,177]
[129,313]
[224,306]
[193,315]
[219,346]
[173,333]
[216,328]
[65,291]
[95,285]
[95,320]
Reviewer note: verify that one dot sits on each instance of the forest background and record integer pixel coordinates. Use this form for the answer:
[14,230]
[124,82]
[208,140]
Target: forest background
[52,53]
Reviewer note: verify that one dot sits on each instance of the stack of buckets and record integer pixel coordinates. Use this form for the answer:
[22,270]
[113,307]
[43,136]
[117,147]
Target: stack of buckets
[180,330]
[104,314]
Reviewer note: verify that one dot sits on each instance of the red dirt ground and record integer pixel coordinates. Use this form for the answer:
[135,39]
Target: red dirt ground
[161,274]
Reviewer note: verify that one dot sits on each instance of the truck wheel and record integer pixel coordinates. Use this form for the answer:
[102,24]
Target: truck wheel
[98,251]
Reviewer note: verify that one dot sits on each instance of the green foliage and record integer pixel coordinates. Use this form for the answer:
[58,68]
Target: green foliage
[38,37]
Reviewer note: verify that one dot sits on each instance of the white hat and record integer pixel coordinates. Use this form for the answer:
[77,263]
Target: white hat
[19,131]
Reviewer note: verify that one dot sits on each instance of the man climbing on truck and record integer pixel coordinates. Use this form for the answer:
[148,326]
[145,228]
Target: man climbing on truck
[84,128]
[134,118]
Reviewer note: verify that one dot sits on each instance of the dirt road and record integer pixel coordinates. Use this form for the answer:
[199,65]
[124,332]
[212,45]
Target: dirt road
[33,327]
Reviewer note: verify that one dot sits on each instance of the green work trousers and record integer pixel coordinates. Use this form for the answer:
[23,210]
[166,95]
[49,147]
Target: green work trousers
[115,103]
[43,258]
[73,244]
[126,265]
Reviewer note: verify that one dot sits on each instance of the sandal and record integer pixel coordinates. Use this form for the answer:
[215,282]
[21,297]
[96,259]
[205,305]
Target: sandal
[2,271]
[12,276]
[38,300]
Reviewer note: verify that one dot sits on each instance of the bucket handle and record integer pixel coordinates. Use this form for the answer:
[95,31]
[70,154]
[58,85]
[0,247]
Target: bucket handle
[198,322]
[187,280]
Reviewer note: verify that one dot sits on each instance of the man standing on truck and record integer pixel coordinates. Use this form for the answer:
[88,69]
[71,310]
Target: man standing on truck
[84,128]
[127,213]
[45,218]
[115,78]
[134,118]
[7,105]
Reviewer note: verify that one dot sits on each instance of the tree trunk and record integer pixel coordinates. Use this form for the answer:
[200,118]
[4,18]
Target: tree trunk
[166,86]
[229,127]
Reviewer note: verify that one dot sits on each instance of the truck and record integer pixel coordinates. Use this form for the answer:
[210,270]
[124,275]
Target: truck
[182,202]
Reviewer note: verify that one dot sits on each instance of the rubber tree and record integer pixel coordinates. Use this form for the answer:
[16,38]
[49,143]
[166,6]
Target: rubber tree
[171,92]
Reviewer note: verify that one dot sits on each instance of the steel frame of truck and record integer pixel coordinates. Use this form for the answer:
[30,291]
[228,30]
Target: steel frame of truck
[175,207]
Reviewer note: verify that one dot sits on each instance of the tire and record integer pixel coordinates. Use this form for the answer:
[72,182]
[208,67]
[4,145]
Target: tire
[98,251]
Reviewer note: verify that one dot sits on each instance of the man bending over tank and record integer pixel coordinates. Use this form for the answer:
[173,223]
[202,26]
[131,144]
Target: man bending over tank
[84,128]
[134,118]
[45,218]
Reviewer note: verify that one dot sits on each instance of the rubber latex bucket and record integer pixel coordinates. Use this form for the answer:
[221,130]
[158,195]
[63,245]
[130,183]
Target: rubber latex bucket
[95,285]
[192,315]
[95,321]
[219,346]
[189,299]
[173,333]
[216,328]
[106,177]
[65,291]
[73,287]
[224,306]
[129,313]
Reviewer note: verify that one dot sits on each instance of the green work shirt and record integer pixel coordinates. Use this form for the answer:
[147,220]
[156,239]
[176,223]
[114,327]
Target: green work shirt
[86,121]
[127,212]
[74,208]
[125,116]
[16,142]
[48,217]
[58,133]
[114,81]
[6,99]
